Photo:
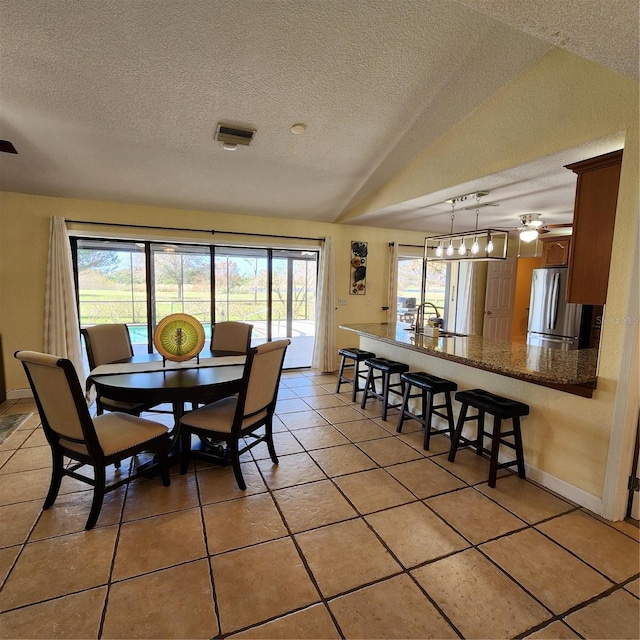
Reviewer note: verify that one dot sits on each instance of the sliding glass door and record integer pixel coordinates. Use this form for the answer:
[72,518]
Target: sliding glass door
[111,286]
[181,282]
[139,283]
[274,290]
[293,294]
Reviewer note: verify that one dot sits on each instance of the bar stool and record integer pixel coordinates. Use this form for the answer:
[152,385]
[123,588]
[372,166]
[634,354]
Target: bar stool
[386,368]
[429,386]
[358,356]
[501,409]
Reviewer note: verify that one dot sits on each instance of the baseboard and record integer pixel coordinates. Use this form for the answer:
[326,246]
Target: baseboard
[18,394]
[564,489]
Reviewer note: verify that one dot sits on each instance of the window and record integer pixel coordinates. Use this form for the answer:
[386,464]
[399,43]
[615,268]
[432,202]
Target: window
[410,284]
[111,286]
[139,283]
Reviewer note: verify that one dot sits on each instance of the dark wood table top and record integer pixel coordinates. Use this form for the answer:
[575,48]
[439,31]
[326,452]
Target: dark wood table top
[197,384]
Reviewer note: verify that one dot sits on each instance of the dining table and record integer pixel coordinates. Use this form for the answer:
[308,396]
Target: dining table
[152,380]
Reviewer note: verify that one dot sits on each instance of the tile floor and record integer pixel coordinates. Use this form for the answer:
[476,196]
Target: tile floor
[357,533]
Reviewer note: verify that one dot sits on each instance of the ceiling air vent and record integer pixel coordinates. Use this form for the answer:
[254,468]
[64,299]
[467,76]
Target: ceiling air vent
[231,137]
[7,147]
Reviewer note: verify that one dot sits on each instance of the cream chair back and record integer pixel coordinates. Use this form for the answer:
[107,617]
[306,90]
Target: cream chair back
[265,368]
[231,336]
[59,398]
[107,343]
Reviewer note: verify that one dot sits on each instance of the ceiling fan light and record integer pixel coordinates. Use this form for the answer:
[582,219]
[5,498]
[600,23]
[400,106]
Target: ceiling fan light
[528,235]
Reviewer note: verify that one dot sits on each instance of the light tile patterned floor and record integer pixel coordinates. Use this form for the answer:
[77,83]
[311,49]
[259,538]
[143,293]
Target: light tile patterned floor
[357,533]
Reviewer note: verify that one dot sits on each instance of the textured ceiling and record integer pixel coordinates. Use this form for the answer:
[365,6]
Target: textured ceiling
[118,100]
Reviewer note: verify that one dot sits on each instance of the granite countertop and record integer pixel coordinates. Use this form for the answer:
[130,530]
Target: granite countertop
[542,365]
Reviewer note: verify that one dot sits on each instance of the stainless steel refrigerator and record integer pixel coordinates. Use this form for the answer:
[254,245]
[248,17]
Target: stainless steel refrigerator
[552,321]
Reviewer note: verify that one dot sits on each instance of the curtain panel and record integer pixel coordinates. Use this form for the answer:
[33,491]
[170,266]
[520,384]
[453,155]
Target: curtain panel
[61,325]
[392,284]
[324,348]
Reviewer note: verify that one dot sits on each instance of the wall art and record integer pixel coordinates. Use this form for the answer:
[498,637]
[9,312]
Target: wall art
[358,268]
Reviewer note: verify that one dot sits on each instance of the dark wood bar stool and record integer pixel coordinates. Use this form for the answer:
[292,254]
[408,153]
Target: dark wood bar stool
[386,369]
[356,356]
[501,409]
[428,387]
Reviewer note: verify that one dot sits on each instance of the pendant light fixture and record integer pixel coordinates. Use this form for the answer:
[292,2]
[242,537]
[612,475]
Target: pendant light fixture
[485,244]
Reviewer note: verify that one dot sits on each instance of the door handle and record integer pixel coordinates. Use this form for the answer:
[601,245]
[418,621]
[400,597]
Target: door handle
[488,313]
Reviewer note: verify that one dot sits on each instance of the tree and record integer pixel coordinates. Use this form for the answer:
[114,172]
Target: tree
[103,261]
[178,269]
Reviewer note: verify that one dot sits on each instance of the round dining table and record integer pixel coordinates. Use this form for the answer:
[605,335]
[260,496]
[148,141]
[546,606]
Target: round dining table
[195,385]
[199,385]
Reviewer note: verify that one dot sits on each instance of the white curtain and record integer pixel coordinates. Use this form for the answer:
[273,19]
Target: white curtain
[466,308]
[392,285]
[324,348]
[61,326]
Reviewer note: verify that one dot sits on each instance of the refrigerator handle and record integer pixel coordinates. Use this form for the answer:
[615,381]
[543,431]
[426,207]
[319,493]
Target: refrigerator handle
[555,294]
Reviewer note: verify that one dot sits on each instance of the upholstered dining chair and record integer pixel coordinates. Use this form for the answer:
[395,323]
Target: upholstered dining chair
[231,336]
[71,431]
[230,419]
[108,343]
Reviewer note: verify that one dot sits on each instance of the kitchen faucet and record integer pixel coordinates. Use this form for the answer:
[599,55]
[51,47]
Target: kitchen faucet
[419,326]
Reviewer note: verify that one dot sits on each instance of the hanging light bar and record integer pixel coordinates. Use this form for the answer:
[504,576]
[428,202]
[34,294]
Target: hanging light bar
[486,244]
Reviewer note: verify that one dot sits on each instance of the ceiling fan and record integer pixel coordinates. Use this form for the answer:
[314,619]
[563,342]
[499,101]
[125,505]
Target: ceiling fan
[531,226]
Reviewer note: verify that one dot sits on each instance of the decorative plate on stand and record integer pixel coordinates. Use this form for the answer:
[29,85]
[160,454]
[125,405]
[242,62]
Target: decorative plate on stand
[179,337]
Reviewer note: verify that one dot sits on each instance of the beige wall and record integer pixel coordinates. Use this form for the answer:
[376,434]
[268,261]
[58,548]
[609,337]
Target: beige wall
[562,101]
[24,230]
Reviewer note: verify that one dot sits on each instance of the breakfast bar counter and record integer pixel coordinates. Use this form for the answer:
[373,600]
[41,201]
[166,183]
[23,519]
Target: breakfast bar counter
[571,371]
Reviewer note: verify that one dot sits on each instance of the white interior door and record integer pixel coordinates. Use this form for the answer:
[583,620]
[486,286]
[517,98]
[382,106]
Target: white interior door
[498,306]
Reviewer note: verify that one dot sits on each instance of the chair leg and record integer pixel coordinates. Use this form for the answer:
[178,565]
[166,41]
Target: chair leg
[268,429]
[405,404]
[369,384]
[163,459]
[386,379]
[117,464]
[356,380]
[427,400]
[458,432]
[495,448]
[340,374]
[447,395]
[235,461]
[517,440]
[98,497]
[480,434]
[185,449]
[56,479]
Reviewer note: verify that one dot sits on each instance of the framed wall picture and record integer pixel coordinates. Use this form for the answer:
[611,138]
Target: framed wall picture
[358,285]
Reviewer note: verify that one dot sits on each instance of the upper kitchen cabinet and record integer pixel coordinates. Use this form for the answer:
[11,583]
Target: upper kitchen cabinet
[593,221]
[555,251]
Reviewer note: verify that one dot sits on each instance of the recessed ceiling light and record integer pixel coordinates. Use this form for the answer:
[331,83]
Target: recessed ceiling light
[298,129]
[229,146]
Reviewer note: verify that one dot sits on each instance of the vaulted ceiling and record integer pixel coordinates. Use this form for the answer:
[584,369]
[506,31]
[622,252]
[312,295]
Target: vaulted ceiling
[118,100]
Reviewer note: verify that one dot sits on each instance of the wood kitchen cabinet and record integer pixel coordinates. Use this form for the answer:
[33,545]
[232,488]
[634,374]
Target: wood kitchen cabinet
[593,221]
[555,251]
